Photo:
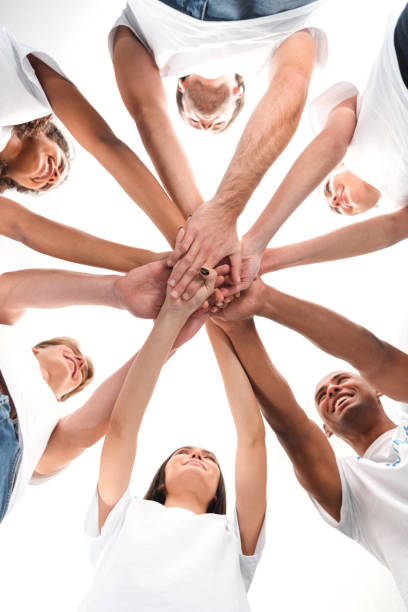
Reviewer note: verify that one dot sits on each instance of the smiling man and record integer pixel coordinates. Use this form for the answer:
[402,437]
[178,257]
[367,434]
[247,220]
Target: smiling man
[213,48]
[344,490]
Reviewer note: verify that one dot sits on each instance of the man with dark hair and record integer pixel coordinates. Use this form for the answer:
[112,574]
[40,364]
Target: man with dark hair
[344,490]
[34,440]
[211,47]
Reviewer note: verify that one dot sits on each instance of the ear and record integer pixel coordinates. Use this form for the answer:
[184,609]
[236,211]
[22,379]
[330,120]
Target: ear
[35,350]
[379,394]
[238,92]
[327,431]
[181,85]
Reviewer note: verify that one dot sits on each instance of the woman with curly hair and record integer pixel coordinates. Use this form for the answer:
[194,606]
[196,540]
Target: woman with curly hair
[34,154]
[176,549]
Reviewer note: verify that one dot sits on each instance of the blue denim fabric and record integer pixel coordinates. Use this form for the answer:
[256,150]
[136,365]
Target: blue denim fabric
[10,455]
[231,10]
[401,44]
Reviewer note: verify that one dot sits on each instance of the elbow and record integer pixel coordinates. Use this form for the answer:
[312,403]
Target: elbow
[297,84]
[335,143]
[396,227]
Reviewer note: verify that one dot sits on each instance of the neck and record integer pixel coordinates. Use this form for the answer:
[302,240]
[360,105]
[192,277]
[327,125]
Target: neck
[188,501]
[362,441]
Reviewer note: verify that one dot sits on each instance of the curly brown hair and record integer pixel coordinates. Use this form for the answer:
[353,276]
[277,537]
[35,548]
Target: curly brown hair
[28,130]
[239,102]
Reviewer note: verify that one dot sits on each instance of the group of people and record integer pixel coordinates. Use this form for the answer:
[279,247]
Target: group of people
[175,549]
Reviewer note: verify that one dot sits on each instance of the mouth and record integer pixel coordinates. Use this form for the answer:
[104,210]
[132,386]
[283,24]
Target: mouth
[195,462]
[339,403]
[46,171]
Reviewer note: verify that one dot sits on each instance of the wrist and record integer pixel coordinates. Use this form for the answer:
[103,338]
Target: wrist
[226,205]
[252,244]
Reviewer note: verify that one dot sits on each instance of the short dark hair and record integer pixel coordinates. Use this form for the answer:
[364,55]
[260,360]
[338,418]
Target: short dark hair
[158,492]
[28,130]
[239,102]
[74,345]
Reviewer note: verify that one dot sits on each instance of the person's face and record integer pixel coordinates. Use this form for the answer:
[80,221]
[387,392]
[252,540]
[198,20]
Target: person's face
[209,103]
[346,403]
[62,367]
[36,162]
[347,194]
[192,468]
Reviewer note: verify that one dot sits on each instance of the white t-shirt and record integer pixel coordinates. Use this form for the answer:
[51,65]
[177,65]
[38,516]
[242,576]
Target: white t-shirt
[22,98]
[157,559]
[378,150]
[37,409]
[374,509]
[183,45]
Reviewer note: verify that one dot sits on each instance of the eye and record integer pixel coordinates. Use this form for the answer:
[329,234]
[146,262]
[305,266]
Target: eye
[327,189]
[342,378]
[211,458]
[321,396]
[182,451]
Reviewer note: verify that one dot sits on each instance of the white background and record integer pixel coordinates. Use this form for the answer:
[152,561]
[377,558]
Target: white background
[306,565]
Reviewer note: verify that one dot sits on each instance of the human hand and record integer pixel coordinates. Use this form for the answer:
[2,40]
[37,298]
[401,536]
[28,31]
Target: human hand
[142,291]
[184,308]
[208,236]
[250,264]
[247,306]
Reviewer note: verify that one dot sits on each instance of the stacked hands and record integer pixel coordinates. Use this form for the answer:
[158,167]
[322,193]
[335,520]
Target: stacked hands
[206,240]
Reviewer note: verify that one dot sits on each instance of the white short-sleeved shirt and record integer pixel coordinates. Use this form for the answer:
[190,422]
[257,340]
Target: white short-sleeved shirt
[22,98]
[377,152]
[183,45]
[374,509]
[37,409]
[157,559]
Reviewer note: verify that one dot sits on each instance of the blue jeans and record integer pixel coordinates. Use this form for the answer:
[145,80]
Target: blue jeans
[10,455]
[231,10]
[401,44]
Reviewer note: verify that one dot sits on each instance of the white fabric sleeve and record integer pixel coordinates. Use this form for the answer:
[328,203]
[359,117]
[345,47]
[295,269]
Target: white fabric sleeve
[248,563]
[321,106]
[347,523]
[102,539]
[127,19]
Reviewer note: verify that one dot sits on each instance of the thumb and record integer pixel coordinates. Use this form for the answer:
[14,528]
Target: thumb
[235,273]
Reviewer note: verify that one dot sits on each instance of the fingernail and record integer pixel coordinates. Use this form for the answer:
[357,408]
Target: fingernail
[204,271]
[174,294]
[185,296]
[213,309]
[172,283]
[220,304]
[169,263]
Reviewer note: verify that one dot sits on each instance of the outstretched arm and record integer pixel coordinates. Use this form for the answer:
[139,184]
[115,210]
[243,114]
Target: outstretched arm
[119,449]
[308,449]
[318,159]
[250,462]
[211,233]
[94,134]
[381,364]
[355,239]
[69,243]
[144,96]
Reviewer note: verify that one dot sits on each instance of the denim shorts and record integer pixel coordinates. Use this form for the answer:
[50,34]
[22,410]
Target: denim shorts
[401,44]
[10,455]
[231,10]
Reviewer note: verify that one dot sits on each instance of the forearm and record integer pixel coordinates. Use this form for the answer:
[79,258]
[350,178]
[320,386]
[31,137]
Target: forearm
[327,329]
[244,407]
[55,289]
[68,243]
[169,159]
[350,241]
[267,133]
[309,170]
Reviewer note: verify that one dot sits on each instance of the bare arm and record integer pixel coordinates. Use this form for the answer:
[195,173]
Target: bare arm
[144,96]
[318,159]
[250,462]
[356,239]
[64,242]
[119,449]
[94,134]
[211,233]
[308,449]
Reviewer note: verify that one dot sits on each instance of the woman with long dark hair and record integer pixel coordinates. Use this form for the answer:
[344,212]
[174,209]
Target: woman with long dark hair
[175,549]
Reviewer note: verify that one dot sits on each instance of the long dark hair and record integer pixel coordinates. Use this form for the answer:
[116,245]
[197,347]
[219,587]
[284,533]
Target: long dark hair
[158,492]
[28,130]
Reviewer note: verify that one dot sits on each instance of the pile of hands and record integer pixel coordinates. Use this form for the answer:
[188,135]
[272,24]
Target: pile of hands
[192,280]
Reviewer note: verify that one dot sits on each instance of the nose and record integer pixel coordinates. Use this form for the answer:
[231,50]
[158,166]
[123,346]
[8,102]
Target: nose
[332,390]
[54,176]
[196,455]
[206,124]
